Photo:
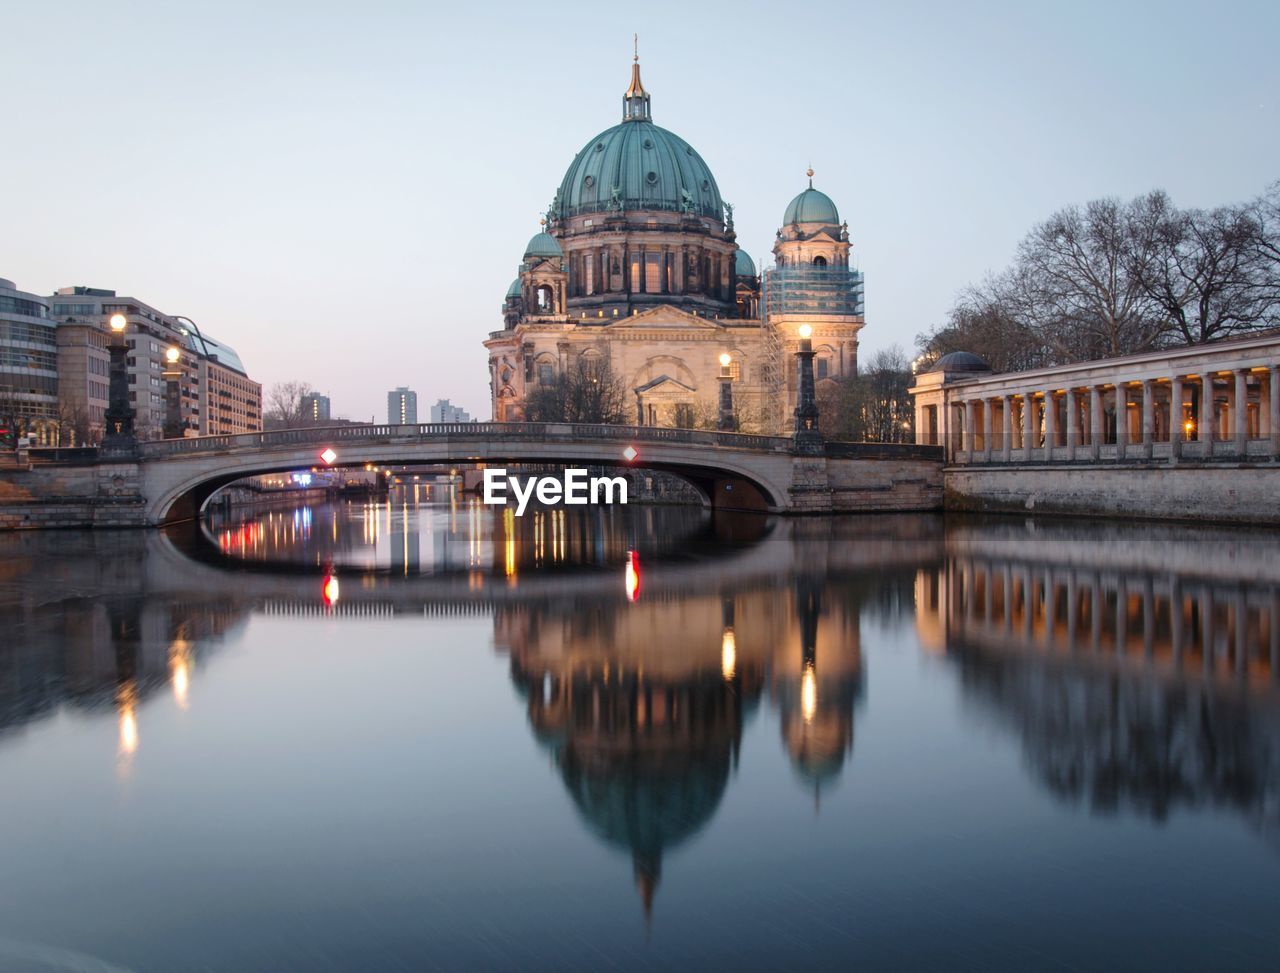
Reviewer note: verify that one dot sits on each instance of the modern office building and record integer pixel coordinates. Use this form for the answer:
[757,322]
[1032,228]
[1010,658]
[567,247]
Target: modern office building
[402,407]
[445,411]
[217,395]
[28,367]
[315,408]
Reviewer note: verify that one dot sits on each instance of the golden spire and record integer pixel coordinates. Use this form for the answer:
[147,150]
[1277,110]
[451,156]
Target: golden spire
[637,89]
[809,172]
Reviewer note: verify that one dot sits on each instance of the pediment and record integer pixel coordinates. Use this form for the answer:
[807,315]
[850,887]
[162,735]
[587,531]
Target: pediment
[664,383]
[664,316]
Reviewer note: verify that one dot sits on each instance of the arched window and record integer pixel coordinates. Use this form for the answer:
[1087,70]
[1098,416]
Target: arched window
[546,299]
[819,261]
[821,369]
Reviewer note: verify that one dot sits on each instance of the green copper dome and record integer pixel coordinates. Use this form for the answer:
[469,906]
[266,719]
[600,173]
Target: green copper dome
[811,206]
[514,289]
[649,167]
[543,244]
[743,265]
[638,166]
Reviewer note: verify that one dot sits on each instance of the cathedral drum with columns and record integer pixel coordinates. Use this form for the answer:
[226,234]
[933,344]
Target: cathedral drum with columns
[637,266]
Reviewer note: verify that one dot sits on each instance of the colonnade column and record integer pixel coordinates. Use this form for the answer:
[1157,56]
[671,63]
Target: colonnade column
[1073,423]
[968,428]
[987,424]
[1122,418]
[1205,433]
[1006,415]
[1028,422]
[1273,380]
[1148,415]
[1175,416]
[1096,434]
[1240,410]
[1050,424]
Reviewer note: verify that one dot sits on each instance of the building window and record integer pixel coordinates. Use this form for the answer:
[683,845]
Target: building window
[819,261]
[546,374]
[822,368]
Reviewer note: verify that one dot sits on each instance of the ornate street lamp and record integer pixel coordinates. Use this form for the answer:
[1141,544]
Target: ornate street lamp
[174,428]
[119,437]
[728,422]
[806,438]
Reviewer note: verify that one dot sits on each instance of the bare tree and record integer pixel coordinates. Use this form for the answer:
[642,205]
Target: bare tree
[1265,212]
[1076,280]
[1205,272]
[588,392]
[872,406]
[284,405]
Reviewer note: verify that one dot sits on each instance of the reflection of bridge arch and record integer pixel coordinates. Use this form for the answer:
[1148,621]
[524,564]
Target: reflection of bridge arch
[731,470]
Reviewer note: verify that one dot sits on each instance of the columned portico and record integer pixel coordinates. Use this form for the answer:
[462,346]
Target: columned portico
[1234,415]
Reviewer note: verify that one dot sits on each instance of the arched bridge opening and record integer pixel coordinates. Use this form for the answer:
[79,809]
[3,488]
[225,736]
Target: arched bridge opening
[731,471]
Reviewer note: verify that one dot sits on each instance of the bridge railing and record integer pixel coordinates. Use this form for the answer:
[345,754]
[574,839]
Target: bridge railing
[320,436]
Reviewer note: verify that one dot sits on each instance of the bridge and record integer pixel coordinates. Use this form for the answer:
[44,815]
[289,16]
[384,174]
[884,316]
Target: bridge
[171,480]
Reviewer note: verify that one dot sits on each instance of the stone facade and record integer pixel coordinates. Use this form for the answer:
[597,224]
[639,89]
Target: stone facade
[638,266]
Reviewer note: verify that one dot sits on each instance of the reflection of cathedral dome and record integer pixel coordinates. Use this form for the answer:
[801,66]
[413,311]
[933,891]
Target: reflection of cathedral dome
[542,245]
[743,265]
[811,206]
[637,165]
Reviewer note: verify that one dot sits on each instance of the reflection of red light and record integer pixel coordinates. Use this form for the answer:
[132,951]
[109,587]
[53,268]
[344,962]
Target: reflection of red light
[633,576]
[329,591]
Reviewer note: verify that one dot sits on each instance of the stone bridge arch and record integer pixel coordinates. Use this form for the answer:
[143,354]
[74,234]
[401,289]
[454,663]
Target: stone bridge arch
[731,471]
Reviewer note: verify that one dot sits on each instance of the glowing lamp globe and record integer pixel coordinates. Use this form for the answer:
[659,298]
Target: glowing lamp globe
[172,355]
[725,359]
[119,322]
[806,331]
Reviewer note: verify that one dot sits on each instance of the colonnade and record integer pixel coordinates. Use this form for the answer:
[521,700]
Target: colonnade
[1182,623]
[1199,402]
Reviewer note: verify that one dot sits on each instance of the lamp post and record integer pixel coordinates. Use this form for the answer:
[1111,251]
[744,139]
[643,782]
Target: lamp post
[728,421]
[806,438]
[119,437]
[174,428]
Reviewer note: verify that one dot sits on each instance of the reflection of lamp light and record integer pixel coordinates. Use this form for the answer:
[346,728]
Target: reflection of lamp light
[126,702]
[180,663]
[631,576]
[329,591]
[808,693]
[728,653]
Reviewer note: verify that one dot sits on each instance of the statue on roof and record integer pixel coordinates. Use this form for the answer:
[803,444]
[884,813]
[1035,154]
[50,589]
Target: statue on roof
[615,199]
[728,214]
[686,202]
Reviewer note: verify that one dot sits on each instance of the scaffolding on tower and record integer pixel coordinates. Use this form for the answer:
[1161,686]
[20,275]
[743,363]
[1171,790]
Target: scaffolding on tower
[805,292]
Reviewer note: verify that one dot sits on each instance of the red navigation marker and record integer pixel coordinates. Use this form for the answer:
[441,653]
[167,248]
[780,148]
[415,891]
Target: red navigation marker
[630,453]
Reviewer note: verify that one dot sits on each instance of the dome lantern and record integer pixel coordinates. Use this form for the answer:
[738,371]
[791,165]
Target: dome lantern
[635,103]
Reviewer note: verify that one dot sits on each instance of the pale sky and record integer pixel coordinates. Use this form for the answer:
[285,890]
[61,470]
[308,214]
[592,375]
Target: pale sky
[342,192]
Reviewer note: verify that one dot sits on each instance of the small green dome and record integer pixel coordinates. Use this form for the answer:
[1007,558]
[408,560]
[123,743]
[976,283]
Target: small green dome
[743,265]
[514,289]
[543,244]
[811,206]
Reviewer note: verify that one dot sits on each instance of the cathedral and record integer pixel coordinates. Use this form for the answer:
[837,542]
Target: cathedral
[637,267]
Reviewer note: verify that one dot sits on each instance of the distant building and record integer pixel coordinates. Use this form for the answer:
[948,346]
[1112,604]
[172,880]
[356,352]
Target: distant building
[315,408]
[28,367]
[402,407]
[218,397]
[445,411]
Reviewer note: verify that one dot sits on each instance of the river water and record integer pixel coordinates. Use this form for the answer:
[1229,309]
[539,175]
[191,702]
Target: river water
[408,735]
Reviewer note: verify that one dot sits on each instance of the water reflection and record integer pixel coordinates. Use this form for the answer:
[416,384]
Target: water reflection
[657,654]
